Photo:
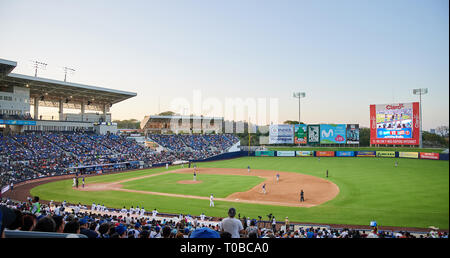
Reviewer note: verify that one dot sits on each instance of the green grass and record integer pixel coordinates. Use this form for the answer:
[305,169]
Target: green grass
[167,183]
[414,194]
[413,149]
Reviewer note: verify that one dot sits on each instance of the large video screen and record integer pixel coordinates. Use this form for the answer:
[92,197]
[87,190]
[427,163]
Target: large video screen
[395,123]
[333,133]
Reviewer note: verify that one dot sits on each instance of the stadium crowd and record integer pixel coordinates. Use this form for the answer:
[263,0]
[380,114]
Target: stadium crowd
[99,222]
[32,155]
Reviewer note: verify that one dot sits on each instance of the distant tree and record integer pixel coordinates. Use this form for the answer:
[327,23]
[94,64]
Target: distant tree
[167,113]
[442,130]
[364,136]
[291,122]
[128,124]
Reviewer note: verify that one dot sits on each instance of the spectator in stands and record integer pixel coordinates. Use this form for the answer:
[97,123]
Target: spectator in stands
[73,227]
[45,224]
[232,225]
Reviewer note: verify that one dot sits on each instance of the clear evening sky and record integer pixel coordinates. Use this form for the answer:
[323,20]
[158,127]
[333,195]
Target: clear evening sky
[345,55]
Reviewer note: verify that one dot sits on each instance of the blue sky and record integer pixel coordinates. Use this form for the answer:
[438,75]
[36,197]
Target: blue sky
[345,55]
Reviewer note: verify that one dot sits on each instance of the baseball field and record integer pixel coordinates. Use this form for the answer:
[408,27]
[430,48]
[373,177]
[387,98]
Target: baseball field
[358,190]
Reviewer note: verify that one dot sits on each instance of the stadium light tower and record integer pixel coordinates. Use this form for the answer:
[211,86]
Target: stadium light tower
[299,95]
[420,92]
[67,69]
[38,65]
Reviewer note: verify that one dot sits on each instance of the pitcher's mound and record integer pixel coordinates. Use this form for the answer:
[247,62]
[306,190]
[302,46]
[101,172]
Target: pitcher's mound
[188,182]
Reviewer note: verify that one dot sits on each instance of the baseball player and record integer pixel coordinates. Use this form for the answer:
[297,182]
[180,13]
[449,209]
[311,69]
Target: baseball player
[327,173]
[195,176]
[167,165]
[82,182]
[138,211]
[278,177]
[74,183]
[93,207]
[202,216]
[302,199]
[132,210]
[154,213]
[264,188]
[211,201]
[123,210]
[396,163]
[142,211]
[248,168]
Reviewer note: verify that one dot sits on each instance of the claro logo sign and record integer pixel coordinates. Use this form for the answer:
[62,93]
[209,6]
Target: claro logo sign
[400,106]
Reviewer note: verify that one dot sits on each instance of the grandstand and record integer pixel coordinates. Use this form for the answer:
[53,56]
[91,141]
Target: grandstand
[19,92]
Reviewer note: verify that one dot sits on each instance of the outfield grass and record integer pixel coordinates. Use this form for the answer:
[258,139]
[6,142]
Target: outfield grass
[413,149]
[414,194]
[168,184]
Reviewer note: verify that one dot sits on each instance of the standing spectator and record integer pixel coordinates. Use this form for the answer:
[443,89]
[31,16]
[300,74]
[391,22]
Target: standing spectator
[232,225]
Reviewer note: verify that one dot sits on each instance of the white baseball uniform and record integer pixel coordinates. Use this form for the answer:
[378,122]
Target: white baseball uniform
[211,201]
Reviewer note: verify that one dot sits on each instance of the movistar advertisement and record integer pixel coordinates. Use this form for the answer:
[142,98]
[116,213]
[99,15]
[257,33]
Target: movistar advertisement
[281,134]
[395,123]
[300,133]
[333,133]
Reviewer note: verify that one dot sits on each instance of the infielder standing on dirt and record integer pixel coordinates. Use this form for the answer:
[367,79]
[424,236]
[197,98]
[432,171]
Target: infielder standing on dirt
[264,188]
[248,168]
[211,201]
[195,176]
[302,199]
[278,177]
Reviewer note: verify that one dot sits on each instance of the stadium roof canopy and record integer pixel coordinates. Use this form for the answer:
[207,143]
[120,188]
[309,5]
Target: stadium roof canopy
[50,92]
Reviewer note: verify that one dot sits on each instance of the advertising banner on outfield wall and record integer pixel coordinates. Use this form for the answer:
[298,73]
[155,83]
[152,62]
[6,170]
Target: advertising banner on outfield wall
[300,131]
[279,134]
[429,155]
[265,153]
[313,134]
[386,154]
[285,153]
[324,153]
[365,154]
[332,133]
[412,155]
[353,134]
[345,153]
[397,123]
[304,153]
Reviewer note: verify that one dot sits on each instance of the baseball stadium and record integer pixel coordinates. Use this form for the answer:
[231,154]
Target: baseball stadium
[302,181]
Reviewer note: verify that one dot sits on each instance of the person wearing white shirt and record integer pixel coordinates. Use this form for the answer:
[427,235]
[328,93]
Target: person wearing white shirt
[123,210]
[232,225]
[211,201]
[154,213]
[202,217]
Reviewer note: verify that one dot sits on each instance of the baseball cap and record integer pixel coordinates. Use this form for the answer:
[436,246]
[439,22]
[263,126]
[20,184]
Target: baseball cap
[121,229]
[205,233]
[83,221]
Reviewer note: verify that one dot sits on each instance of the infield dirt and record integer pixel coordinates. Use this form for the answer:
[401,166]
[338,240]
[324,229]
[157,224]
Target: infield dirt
[285,192]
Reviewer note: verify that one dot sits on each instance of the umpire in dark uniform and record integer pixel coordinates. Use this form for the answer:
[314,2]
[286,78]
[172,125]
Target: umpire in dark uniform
[302,199]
